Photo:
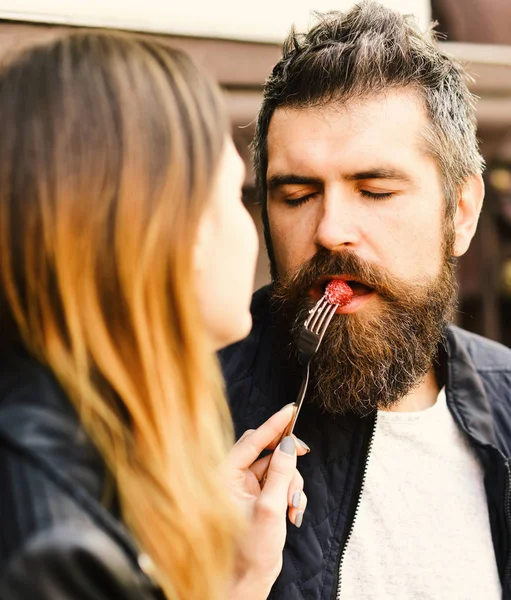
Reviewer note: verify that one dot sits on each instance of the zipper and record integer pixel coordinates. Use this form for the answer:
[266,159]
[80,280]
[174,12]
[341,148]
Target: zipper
[507,509]
[357,507]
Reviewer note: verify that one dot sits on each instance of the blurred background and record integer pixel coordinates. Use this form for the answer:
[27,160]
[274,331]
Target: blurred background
[239,44]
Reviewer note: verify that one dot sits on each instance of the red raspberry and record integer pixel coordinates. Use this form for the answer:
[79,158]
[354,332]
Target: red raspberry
[338,292]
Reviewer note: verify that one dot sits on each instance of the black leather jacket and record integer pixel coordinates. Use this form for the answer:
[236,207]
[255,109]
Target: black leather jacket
[261,378]
[59,539]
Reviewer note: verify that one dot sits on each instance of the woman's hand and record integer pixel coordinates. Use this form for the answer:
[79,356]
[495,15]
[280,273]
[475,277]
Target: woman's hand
[266,504]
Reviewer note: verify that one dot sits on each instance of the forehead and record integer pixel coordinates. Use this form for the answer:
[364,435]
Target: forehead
[382,130]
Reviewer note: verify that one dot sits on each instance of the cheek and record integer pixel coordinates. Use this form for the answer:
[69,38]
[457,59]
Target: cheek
[416,245]
[292,237]
[281,244]
[249,240]
[240,242]
[218,307]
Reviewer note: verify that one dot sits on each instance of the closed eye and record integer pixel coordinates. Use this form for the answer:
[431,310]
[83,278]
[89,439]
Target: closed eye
[295,202]
[376,195]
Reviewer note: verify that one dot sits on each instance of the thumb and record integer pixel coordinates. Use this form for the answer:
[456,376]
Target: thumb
[280,472]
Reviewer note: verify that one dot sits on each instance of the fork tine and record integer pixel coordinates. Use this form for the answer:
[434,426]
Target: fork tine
[317,317]
[318,311]
[325,321]
[319,304]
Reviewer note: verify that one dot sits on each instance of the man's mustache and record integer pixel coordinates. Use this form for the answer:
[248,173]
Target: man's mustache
[343,263]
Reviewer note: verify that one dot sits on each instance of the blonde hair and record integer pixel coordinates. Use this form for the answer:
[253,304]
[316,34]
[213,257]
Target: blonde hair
[109,148]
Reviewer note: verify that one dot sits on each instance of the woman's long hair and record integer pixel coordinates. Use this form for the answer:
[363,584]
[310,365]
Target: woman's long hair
[109,149]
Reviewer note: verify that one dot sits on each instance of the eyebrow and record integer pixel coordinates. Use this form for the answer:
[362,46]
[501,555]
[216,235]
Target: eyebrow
[393,174]
[280,180]
[277,181]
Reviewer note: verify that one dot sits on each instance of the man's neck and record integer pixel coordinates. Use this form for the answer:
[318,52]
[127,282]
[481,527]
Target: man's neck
[420,398]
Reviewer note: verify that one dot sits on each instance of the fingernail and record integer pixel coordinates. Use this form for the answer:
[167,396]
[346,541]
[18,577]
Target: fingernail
[288,405]
[287,445]
[297,496]
[299,519]
[303,444]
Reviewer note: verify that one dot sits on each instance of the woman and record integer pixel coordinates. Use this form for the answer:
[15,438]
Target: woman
[126,261]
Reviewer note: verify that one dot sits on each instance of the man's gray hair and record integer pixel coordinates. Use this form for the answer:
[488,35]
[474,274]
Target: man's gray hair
[368,50]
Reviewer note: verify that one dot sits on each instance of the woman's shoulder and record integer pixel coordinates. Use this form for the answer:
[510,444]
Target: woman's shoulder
[25,383]
[44,452]
[33,500]
[39,423]
[55,530]
[57,544]
[73,561]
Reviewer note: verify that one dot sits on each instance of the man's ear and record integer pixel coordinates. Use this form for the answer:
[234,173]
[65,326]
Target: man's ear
[469,206]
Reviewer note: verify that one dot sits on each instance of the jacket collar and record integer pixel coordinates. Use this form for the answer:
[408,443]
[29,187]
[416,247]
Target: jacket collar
[465,393]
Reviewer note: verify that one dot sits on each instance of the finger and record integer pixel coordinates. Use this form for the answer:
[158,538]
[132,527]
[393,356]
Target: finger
[271,508]
[279,476]
[245,434]
[259,467]
[277,439]
[296,513]
[295,490]
[247,450]
[301,446]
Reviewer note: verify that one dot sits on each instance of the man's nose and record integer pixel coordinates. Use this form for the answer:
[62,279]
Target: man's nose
[339,225]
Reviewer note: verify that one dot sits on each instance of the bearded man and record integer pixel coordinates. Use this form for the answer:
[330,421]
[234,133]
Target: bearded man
[368,168]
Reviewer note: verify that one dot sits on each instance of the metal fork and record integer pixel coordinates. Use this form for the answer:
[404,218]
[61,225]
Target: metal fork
[308,343]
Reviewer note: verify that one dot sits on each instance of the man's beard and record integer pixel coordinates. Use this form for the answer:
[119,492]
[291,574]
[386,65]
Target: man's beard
[372,358]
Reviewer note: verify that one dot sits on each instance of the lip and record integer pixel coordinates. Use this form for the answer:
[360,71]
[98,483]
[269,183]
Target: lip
[355,304]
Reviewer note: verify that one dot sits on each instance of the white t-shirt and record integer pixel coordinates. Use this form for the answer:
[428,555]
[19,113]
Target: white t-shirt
[422,530]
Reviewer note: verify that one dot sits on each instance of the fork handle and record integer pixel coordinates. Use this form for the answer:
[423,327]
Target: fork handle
[299,401]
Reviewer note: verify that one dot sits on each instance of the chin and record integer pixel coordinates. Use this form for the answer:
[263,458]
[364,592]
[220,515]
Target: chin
[238,329]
